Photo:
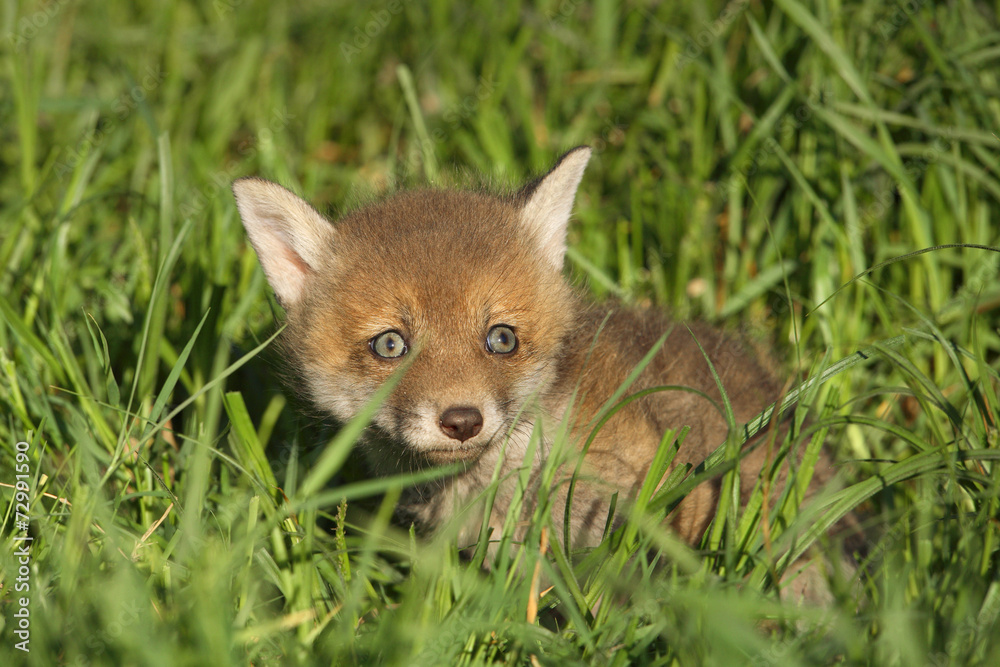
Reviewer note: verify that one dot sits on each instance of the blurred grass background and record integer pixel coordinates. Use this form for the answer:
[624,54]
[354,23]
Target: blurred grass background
[751,158]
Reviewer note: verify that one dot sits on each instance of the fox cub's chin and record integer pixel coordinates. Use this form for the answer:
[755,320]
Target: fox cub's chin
[464,292]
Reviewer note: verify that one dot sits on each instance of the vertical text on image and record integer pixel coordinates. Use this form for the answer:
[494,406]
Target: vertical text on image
[22,553]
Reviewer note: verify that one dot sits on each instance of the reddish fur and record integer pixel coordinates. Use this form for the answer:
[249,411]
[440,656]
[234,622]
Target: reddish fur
[441,267]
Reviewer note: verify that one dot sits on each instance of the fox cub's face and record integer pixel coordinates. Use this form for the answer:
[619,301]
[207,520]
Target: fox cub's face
[466,287]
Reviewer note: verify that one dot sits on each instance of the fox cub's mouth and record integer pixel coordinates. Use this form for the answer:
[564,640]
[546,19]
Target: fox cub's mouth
[455,454]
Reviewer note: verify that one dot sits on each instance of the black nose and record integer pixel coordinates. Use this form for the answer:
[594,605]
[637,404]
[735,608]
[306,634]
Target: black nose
[461,423]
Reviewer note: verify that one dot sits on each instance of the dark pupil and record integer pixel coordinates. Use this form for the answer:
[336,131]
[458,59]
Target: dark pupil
[390,344]
[502,338]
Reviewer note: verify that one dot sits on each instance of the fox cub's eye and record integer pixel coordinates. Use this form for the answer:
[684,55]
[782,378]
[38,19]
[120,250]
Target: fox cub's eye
[501,340]
[388,345]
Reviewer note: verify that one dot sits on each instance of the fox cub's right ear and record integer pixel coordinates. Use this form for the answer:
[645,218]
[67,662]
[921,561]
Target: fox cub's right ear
[548,203]
[291,238]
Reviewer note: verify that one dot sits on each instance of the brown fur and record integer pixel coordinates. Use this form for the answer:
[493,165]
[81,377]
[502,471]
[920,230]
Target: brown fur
[441,268]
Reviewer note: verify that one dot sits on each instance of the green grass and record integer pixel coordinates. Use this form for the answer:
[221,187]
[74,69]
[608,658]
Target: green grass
[751,159]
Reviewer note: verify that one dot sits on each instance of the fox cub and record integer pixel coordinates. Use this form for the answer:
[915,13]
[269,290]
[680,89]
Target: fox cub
[472,284]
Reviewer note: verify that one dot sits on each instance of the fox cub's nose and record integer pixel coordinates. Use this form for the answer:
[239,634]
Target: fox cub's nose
[461,423]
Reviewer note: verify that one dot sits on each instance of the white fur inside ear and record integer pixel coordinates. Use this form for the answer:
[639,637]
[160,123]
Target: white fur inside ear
[290,237]
[547,210]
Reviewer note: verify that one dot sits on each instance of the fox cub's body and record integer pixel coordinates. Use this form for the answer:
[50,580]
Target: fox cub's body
[472,284]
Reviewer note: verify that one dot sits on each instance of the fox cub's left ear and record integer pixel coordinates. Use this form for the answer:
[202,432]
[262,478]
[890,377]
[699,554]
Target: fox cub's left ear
[291,238]
[548,203]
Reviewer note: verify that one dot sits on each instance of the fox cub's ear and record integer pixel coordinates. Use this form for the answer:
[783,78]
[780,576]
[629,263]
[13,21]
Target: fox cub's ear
[548,203]
[290,237]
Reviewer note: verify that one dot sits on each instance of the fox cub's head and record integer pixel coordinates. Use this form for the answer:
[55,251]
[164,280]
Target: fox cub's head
[469,283]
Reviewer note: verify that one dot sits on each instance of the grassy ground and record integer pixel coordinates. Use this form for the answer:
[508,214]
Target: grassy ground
[751,159]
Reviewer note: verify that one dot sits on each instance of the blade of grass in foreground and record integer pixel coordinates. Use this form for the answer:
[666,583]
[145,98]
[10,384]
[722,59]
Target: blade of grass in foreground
[335,453]
[247,446]
[717,462]
[754,426]
[838,505]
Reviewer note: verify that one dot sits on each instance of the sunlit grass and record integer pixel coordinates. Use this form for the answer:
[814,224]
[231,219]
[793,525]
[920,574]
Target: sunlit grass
[750,161]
